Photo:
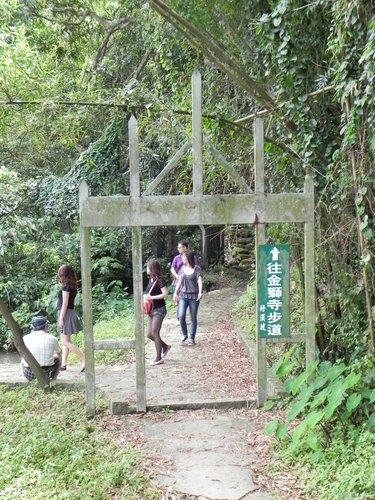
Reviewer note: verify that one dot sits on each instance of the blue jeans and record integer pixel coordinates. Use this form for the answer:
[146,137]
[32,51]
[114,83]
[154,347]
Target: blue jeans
[193,305]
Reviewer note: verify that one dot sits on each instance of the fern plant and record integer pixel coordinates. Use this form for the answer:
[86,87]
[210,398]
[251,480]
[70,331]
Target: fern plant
[322,397]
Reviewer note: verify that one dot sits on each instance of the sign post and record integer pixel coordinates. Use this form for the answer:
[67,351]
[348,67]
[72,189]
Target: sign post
[273,291]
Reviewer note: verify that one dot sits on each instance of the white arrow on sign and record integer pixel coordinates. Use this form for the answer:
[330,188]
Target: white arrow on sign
[275,253]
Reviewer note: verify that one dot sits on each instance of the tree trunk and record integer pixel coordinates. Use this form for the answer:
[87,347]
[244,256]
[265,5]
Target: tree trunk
[299,263]
[361,243]
[42,378]
[158,243]
[320,323]
[171,241]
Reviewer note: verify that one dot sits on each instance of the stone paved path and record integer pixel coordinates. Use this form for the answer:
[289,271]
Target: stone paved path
[209,453]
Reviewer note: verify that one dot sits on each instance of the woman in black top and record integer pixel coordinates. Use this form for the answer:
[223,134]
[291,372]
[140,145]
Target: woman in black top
[67,320]
[156,291]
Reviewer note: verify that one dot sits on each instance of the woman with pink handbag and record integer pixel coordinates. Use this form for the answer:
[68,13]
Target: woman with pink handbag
[155,293]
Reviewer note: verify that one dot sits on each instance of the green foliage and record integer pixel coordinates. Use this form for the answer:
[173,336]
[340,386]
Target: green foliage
[324,397]
[166,410]
[98,165]
[48,447]
[119,327]
[245,309]
[327,436]
[344,470]
[50,53]
[295,50]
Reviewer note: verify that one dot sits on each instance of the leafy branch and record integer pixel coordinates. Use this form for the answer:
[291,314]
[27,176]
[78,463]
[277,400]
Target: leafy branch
[216,53]
[110,27]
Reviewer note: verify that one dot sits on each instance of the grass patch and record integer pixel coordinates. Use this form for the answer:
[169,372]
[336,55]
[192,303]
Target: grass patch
[118,327]
[345,469]
[245,310]
[49,448]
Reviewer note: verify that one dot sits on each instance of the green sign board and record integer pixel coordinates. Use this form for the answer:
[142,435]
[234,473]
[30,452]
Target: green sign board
[273,291]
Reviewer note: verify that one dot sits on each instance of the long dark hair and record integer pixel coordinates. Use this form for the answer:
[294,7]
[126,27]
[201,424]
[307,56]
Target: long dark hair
[190,258]
[155,270]
[67,276]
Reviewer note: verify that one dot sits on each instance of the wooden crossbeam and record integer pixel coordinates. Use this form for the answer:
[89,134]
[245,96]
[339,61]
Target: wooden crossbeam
[102,345]
[228,167]
[293,339]
[173,162]
[192,210]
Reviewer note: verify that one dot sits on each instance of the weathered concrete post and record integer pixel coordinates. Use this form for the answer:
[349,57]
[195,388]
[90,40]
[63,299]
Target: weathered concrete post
[196,139]
[309,278]
[87,306]
[137,268]
[260,239]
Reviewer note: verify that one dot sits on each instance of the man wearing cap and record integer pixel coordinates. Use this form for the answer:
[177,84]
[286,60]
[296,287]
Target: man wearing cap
[44,347]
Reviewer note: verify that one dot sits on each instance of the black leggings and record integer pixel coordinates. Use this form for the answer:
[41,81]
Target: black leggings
[153,332]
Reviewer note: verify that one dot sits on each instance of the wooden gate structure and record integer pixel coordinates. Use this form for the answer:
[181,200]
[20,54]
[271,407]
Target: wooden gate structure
[145,209]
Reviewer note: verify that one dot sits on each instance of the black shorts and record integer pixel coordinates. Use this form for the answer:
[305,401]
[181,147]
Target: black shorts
[160,311]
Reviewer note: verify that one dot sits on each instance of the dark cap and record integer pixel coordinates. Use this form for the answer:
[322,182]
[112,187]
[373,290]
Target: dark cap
[38,322]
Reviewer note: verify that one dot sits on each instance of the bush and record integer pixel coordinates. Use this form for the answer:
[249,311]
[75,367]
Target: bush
[344,470]
[330,419]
